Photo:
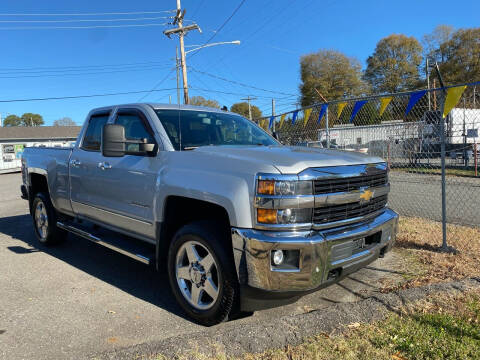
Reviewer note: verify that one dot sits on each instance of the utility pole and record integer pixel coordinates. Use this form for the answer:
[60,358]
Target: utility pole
[249,106]
[177,66]
[273,114]
[182,31]
[428,82]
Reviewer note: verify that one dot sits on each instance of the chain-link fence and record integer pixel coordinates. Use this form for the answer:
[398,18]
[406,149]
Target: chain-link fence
[406,130]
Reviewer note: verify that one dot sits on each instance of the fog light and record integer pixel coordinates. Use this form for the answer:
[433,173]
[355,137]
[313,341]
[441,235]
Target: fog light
[277,257]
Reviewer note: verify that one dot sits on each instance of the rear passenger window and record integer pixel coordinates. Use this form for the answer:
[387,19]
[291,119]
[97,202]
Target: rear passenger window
[93,134]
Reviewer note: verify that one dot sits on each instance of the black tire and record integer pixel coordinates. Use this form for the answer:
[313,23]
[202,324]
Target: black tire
[52,235]
[214,239]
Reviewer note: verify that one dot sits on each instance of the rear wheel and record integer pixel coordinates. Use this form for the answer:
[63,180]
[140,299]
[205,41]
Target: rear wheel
[202,274]
[45,221]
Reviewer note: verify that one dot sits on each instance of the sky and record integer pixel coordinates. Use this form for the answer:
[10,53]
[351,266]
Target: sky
[38,61]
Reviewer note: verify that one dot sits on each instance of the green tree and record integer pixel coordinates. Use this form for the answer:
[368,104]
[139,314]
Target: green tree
[12,120]
[331,73]
[242,109]
[65,121]
[395,64]
[461,62]
[201,101]
[30,119]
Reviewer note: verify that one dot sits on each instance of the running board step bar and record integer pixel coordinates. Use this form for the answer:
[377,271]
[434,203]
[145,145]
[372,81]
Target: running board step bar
[116,243]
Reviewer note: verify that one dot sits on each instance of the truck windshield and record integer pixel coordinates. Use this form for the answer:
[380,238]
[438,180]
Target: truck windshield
[189,129]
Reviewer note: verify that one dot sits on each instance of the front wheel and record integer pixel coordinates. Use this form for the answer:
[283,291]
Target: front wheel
[201,273]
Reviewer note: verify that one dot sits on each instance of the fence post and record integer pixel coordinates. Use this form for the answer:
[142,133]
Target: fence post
[475,156]
[388,155]
[327,132]
[444,193]
[442,151]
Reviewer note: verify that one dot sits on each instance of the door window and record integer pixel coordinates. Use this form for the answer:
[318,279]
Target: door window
[135,129]
[93,134]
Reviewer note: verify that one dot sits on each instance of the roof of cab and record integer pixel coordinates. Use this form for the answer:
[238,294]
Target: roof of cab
[160,106]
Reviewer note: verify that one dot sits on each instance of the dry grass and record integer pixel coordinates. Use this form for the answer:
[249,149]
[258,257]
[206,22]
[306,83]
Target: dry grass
[419,241]
[444,326]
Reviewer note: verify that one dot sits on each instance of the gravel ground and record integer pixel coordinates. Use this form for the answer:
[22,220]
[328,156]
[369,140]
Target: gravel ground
[78,299]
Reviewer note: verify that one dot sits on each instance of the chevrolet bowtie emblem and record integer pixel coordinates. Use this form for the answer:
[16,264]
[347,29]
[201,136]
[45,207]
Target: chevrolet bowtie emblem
[366,195]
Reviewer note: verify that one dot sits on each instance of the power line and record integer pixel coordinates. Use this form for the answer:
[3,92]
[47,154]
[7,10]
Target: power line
[239,83]
[84,20]
[115,94]
[36,75]
[221,27]
[84,96]
[198,8]
[79,27]
[157,85]
[84,66]
[231,93]
[89,14]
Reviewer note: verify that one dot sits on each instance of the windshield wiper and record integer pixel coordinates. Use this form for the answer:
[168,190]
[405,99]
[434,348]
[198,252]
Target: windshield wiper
[190,147]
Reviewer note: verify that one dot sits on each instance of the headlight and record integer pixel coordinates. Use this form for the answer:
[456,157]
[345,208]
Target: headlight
[284,187]
[284,216]
[281,199]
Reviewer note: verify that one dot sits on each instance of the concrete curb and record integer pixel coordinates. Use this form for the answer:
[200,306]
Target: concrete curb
[235,339]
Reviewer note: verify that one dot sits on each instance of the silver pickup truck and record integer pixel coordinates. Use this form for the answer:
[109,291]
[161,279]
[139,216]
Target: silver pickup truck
[239,221]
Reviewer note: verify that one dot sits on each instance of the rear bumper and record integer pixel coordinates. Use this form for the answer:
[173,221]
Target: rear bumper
[324,258]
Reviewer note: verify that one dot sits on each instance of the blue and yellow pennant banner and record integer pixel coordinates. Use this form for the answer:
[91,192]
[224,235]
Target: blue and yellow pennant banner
[414,99]
[323,111]
[294,117]
[453,97]
[306,114]
[356,108]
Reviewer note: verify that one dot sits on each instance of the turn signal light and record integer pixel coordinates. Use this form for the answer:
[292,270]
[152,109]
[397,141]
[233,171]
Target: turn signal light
[266,216]
[266,187]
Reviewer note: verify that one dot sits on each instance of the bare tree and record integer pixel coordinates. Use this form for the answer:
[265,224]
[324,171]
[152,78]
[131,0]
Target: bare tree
[65,121]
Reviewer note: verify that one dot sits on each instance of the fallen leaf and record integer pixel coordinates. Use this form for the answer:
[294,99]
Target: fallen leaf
[397,356]
[111,312]
[353,325]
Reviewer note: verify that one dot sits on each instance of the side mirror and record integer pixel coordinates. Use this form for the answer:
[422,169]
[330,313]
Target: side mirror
[113,140]
[114,143]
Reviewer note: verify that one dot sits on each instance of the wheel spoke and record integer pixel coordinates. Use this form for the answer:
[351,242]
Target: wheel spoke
[207,262]
[192,253]
[183,272]
[195,294]
[210,288]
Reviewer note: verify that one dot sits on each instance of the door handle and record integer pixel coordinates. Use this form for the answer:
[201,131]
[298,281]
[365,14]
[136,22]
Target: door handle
[75,163]
[104,165]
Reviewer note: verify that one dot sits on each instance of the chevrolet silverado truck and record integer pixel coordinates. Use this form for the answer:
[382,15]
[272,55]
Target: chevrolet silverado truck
[239,221]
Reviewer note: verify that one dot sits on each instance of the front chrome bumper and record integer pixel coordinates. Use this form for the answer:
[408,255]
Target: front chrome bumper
[325,257]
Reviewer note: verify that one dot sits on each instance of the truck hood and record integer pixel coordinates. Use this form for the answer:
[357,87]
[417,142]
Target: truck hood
[290,159]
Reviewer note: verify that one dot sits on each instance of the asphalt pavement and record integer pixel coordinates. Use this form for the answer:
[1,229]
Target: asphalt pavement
[79,299]
[421,195]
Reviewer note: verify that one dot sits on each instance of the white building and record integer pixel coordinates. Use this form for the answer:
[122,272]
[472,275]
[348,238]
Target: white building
[14,139]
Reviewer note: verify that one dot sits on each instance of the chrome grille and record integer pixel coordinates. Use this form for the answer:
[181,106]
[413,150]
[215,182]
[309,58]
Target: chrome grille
[323,215]
[328,186]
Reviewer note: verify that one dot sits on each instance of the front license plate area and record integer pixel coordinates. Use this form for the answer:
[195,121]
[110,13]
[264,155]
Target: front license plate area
[367,242]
